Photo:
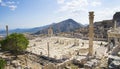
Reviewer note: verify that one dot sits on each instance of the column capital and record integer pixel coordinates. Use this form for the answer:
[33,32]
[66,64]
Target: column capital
[91,15]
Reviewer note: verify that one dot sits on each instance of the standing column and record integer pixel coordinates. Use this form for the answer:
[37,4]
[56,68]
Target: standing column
[115,23]
[50,32]
[91,35]
[115,38]
[48,49]
[7,30]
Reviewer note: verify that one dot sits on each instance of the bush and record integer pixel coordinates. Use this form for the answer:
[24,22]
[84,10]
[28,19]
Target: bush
[2,63]
[15,43]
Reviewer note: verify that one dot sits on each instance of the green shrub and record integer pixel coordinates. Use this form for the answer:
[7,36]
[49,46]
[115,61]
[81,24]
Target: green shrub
[2,63]
[15,43]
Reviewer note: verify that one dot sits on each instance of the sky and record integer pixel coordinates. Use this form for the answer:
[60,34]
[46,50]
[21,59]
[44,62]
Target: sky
[35,13]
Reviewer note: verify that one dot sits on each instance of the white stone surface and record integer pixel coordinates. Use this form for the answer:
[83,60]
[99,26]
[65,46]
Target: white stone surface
[60,46]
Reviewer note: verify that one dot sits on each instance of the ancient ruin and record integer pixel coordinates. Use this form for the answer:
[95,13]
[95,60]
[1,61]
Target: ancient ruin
[91,34]
[114,43]
[50,32]
[79,49]
[7,30]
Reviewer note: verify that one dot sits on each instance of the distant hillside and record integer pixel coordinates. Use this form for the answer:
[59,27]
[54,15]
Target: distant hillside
[30,30]
[63,26]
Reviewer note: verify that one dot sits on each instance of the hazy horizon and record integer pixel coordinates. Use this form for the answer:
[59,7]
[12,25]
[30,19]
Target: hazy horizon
[29,13]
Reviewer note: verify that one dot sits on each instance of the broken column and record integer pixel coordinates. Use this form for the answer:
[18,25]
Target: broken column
[76,42]
[91,35]
[7,30]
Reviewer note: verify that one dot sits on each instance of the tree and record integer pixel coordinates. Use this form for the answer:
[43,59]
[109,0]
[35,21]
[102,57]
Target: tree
[2,63]
[16,43]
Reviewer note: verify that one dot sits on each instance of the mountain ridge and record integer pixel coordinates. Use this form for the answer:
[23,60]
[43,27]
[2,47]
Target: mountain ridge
[68,24]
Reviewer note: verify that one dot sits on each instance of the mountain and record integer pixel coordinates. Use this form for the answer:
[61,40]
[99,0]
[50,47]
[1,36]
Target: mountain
[63,26]
[29,30]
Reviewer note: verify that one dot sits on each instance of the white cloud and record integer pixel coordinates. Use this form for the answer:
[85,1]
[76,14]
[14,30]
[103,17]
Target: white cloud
[10,4]
[60,1]
[96,3]
[78,9]
[0,1]
[75,9]
[107,13]
[73,5]
[12,7]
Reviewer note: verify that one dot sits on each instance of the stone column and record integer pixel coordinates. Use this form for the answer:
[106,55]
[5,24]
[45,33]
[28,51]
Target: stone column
[116,41]
[7,30]
[50,31]
[75,42]
[108,43]
[91,35]
[115,23]
[115,38]
[59,30]
[48,49]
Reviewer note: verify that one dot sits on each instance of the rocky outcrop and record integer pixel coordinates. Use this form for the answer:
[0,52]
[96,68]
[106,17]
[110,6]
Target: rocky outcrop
[101,28]
[116,18]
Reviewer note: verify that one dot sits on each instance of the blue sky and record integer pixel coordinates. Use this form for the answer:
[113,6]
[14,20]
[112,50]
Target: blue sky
[35,13]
